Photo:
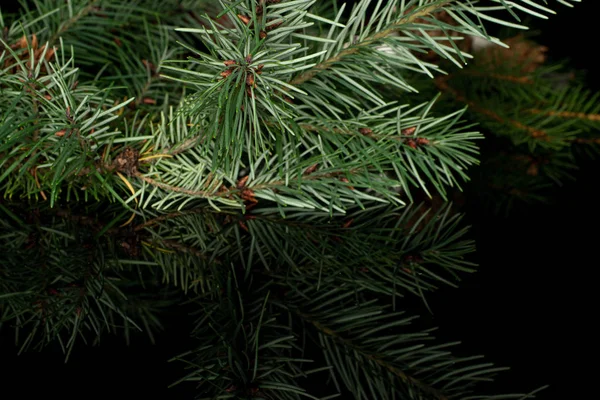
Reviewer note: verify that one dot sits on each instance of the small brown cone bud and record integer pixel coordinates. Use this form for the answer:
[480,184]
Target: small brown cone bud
[242,182]
[274,26]
[311,169]
[49,54]
[244,18]
[23,42]
[409,131]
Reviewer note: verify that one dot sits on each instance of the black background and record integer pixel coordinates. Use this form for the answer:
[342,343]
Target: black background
[529,307]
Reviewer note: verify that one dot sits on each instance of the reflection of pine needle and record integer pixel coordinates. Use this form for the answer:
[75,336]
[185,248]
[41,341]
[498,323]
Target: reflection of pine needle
[133,193]
[158,248]
[128,221]
[155,156]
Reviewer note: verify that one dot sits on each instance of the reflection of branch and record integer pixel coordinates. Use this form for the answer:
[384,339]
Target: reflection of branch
[442,83]
[374,358]
[172,215]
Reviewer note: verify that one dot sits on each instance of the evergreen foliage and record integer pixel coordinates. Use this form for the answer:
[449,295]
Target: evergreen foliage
[283,167]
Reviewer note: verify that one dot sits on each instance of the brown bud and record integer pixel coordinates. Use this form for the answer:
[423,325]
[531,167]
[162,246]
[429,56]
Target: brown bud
[411,143]
[242,182]
[148,100]
[249,58]
[311,169]
[226,73]
[533,170]
[259,9]
[49,54]
[345,180]
[23,42]
[47,97]
[273,26]
[60,133]
[244,18]
[151,67]
[365,131]
[250,80]
[262,34]
[34,41]
[229,63]
[248,195]
[409,131]
[243,226]
[422,141]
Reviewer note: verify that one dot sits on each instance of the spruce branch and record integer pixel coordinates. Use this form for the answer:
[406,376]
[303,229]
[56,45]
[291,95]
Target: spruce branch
[442,84]
[368,41]
[74,19]
[268,180]
[378,359]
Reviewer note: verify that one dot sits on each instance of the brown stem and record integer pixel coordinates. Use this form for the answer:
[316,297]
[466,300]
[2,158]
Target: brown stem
[150,181]
[233,190]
